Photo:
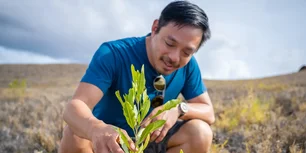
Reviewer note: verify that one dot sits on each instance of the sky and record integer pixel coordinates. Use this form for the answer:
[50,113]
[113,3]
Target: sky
[250,39]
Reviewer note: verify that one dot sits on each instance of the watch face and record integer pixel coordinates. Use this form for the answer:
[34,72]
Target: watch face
[184,107]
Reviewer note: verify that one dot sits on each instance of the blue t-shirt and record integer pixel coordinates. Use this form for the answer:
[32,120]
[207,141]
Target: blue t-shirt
[110,70]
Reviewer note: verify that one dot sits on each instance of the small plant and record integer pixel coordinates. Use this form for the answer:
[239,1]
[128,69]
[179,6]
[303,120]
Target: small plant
[136,105]
[216,148]
[18,88]
[247,111]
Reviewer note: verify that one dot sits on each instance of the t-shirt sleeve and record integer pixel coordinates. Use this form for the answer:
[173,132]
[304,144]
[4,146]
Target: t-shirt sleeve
[194,85]
[101,69]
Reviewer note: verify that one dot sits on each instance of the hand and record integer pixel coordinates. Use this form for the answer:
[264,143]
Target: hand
[105,139]
[171,116]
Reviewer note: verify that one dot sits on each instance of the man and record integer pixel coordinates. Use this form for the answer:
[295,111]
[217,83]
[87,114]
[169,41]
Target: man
[167,55]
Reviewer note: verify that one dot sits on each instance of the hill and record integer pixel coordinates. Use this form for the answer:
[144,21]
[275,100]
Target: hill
[260,115]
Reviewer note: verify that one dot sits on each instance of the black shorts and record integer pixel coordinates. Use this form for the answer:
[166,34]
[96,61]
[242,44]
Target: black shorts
[161,147]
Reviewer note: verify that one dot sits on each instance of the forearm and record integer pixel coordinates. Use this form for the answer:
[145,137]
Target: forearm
[200,111]
[80,119]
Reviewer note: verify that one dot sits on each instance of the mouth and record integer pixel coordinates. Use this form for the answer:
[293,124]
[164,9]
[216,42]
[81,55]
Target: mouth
[168,66]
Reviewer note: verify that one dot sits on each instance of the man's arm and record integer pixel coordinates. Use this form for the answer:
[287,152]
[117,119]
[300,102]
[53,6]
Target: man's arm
[78,111]
[195,92]
[200,107]
[96,80]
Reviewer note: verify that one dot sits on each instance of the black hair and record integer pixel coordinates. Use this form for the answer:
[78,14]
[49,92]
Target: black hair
[185,13]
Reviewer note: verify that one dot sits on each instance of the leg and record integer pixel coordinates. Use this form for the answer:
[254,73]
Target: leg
[195,136]
[71,143]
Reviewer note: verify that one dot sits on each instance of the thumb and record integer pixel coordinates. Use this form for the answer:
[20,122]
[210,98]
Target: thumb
[130,141]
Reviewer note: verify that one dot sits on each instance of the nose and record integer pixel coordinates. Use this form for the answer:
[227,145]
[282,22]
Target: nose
[174,56]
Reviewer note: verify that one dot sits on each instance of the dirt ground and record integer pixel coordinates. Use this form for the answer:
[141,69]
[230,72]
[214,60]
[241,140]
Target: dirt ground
[260,115]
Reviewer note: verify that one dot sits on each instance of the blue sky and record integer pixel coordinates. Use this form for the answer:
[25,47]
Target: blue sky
[250,39]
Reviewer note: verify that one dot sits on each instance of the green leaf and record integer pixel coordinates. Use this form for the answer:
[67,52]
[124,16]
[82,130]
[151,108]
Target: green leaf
[135,111]
[129,114]
[144,145]
[137,93]
[181,151]
[142,81]
[125,148]
[123,141]
[124,106]
[135,77]
[119,97]
[126,97]
[140,132]
[134,73]
[167,106]
[140,149]
[171,103]
[150,128]
[138,119]
[131,96]
[147,141]
[134,85]
[145,106]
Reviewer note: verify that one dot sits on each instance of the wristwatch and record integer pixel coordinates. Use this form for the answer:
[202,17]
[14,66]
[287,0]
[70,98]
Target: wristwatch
[183,109]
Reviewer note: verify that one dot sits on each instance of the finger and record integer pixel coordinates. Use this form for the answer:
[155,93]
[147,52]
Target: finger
[162,134]
[155,134]
[114,147]
[152,120]
[130,141]
[98,148]
[147,120]
[102,150]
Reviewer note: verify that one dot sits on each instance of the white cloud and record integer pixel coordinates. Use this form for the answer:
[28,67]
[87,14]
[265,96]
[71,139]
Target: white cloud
[223,62]
[235,56]
[59,28]
[249,39]
[10,56]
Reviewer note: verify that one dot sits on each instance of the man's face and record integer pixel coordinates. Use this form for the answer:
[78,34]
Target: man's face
[173,46]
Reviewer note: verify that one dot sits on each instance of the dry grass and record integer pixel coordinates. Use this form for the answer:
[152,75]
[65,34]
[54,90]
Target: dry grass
[30,124]
[270,118]
[264,115]
[248,111]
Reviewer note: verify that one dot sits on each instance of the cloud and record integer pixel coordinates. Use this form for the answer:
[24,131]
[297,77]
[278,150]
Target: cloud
[11,56]
[220,59]
[69,28]
[233,56]
[249,39]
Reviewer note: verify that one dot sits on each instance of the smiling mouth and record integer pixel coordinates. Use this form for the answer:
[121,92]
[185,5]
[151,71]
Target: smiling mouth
[168,66]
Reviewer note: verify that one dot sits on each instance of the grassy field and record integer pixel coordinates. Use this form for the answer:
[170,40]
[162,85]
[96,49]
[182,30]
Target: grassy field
[264,115]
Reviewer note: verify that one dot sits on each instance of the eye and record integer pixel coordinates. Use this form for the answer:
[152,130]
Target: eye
[187,54]
[170,45]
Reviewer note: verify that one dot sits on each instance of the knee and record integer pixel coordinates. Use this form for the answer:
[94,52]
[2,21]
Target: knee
[199,134]
[71,143]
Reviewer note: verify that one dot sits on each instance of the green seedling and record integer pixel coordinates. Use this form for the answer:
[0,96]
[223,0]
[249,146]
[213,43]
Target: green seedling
[136,105]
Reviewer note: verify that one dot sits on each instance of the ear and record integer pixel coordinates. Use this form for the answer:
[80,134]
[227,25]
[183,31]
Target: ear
[154,26]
